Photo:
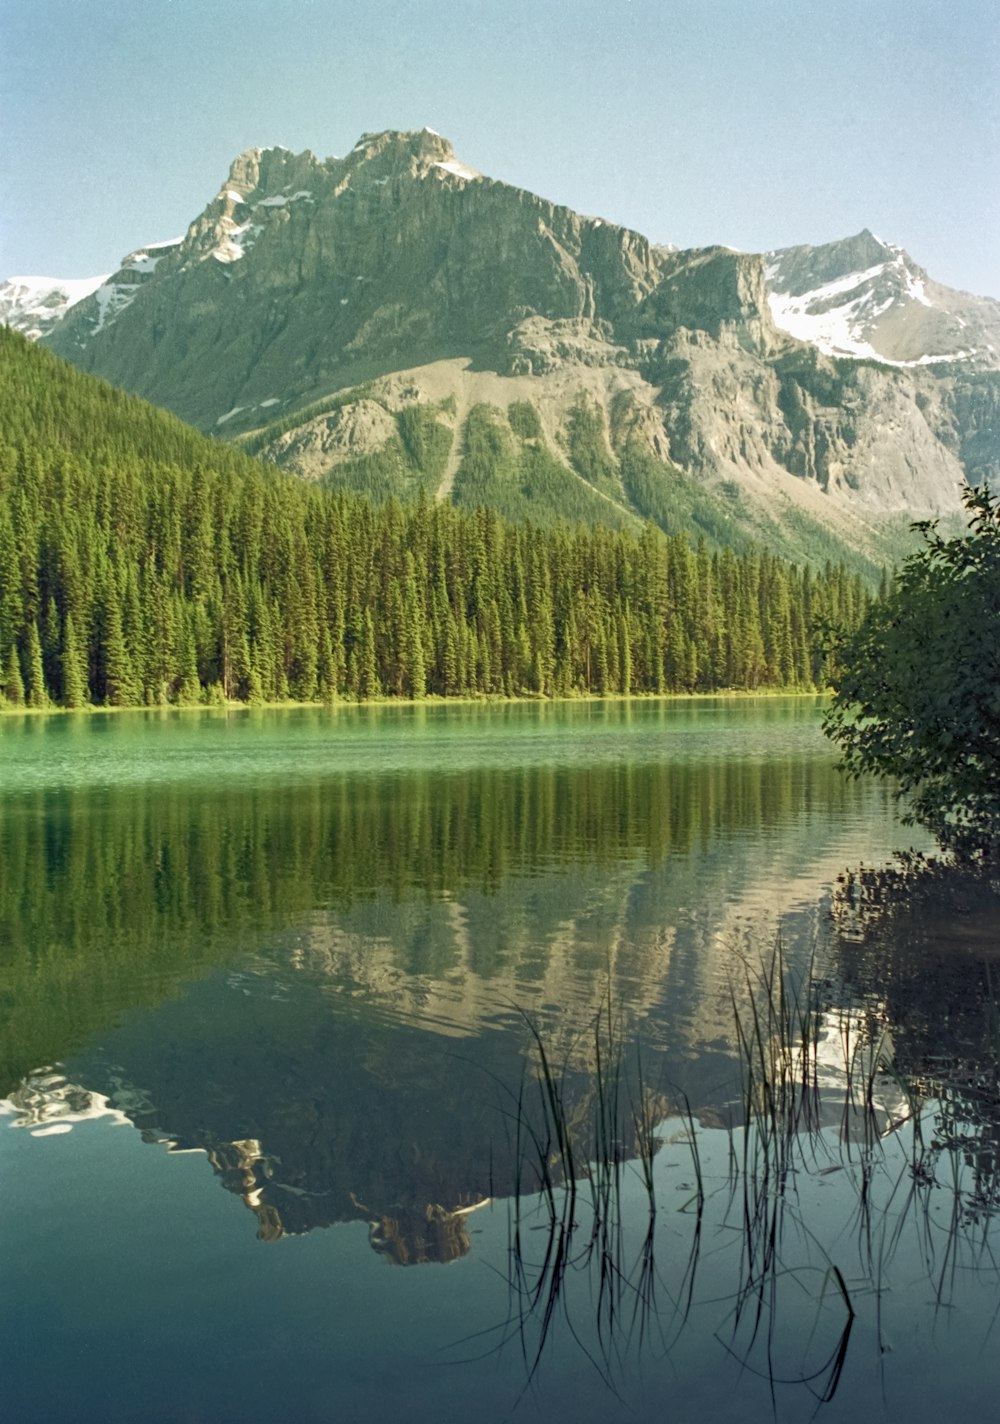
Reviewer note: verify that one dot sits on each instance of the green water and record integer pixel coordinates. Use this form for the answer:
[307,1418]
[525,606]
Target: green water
[266,973]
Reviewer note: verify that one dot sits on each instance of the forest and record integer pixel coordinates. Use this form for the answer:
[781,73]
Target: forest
[142,564]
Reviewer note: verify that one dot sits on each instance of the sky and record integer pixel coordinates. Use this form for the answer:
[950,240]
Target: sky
[755,123]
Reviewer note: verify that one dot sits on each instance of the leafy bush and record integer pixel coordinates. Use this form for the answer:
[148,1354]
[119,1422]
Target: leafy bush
[917,687]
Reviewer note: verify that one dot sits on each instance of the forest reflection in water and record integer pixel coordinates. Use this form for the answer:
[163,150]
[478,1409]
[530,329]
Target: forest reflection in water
[330,986]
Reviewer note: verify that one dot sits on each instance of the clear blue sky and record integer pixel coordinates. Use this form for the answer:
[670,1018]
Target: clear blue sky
[756,123]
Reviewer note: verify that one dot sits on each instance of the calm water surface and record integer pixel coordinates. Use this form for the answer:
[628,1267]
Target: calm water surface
[268,983]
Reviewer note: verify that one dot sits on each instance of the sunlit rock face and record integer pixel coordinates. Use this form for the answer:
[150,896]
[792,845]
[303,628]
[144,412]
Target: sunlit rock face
[837,384]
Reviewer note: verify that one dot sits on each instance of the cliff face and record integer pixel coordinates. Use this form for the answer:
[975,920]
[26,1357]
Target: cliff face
[306,277]
[303,274]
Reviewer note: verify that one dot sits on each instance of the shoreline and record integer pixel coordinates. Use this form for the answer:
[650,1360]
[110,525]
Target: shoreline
[433,700]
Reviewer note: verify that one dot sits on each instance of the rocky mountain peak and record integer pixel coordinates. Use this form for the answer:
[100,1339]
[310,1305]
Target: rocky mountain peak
[264,171]
[868,299]
[802,269]
[423,145]
[396,153]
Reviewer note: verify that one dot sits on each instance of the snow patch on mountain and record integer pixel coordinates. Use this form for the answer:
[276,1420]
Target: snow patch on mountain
[460,170]
[832,316]
[237,239]
[145,259]
[839,330]
[35,305]
[112,299]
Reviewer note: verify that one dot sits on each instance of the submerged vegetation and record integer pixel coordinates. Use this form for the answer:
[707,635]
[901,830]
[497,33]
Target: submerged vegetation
[142,564]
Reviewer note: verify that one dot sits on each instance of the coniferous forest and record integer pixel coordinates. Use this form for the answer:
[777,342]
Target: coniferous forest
[141,563]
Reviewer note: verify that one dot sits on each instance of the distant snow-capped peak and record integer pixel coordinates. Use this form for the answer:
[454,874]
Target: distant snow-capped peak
[867,299]
[34,305]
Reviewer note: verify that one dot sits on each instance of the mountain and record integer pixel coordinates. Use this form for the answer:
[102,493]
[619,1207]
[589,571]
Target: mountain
[559,365]
[865,298]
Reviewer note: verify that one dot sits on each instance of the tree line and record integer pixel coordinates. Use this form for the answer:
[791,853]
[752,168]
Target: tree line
[141,564]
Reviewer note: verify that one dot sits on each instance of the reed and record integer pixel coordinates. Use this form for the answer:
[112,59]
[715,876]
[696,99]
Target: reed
[593,1250]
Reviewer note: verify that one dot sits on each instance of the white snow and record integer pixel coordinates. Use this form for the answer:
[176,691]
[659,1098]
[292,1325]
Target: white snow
[838,330]
[842,284]
[237,241]
[72,289]
[33,305]
[280,200]
[459,169]
[834,331]
[915,289]
[817,316]
[141,262]
[112,299]
[237,409]
[233,196]
[836,316]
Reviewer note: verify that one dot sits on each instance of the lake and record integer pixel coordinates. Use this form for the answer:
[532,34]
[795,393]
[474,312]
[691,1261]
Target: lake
[438,1062]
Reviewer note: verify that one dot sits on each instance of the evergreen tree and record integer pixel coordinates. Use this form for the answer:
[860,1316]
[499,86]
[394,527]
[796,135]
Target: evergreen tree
[13,684]
[37,696]
[74,677]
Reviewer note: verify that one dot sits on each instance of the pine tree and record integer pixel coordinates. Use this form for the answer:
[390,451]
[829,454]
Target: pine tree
[13,684]
[368,685]
[37,696]
[74,676]
[119,680]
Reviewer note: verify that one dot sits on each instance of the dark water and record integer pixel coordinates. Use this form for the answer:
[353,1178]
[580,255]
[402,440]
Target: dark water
[268,983]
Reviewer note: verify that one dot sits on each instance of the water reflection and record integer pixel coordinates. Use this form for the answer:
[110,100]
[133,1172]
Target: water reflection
[433,894]
[320,985]
[332,986]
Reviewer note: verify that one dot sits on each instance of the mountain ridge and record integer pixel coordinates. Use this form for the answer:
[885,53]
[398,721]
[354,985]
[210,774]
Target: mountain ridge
[304,279]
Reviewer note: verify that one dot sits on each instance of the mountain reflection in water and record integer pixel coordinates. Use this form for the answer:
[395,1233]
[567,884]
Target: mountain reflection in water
[319,985]
[329,985]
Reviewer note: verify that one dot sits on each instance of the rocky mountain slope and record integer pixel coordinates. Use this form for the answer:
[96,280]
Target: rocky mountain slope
[313,301]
